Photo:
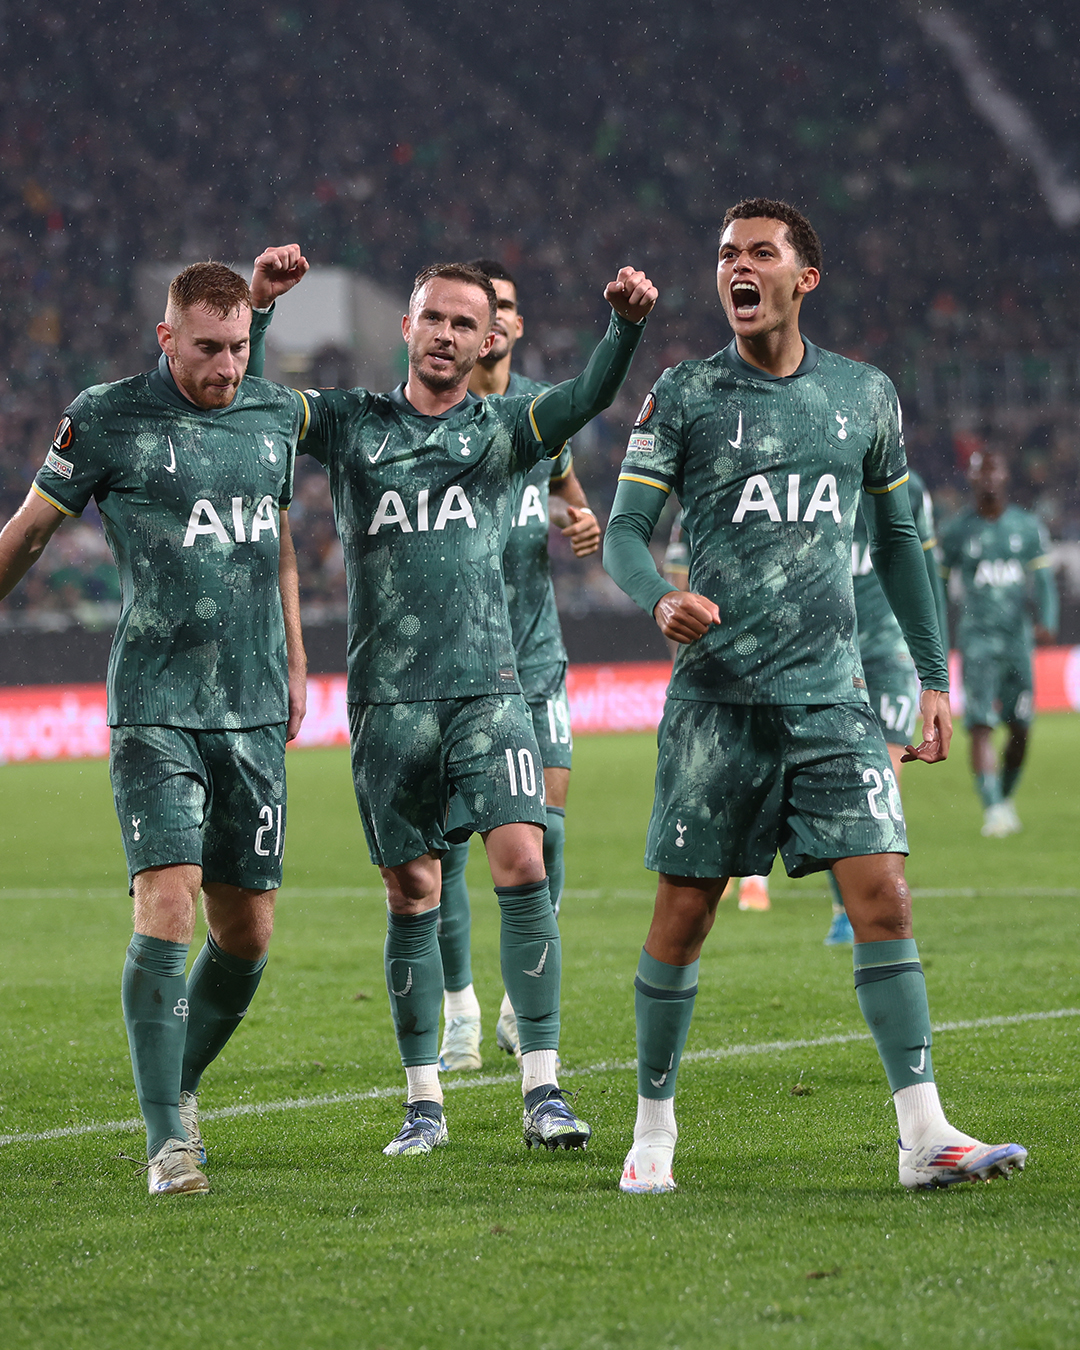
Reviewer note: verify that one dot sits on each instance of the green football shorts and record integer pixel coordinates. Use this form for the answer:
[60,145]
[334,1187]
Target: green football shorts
[215,799]
[735,784]
[545,693]
[430,774]
[893,689]
[998,686]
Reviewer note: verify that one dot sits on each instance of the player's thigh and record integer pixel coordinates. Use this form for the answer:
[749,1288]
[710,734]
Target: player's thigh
[982,670]
[161,789]
[399,776]
[841,797]
[893,690]
[494,766]
[550,712]
[716,805]
[1017,689]
[244,835]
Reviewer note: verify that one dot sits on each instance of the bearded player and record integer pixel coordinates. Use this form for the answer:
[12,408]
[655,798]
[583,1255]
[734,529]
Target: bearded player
[422,480]
[767,742]
[191,467]
[551,494]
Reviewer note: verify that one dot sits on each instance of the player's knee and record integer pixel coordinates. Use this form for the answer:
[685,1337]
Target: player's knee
[413,887]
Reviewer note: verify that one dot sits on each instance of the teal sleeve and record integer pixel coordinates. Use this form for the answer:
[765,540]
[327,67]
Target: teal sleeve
[257,347]
[1046,598]
[941,603]
[901,568]
[627,559]
[565,408]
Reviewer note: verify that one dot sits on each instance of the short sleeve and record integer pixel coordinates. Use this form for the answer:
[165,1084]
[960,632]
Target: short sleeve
[325,416]
[75,466]
[562,464]
[654,452]
[885,463]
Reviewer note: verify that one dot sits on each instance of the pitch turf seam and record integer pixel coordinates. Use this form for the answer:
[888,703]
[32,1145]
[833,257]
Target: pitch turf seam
[499,1080]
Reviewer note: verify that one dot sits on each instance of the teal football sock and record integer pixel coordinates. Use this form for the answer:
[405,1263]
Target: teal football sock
[455,920]
[891,990]
[153,994]
[554,840]
[219,990]
[664,1006]
[414,981]
[1009,780]
[988,786]
[531,955]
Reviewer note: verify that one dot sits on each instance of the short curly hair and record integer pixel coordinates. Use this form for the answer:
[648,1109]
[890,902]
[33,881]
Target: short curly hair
[801,234]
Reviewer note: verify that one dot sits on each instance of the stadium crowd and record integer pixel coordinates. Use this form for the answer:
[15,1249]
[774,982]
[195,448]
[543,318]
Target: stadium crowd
[565,141]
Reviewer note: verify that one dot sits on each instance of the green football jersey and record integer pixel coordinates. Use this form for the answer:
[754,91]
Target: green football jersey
[879,633]
[530,594]
[190,501]
[995,560]
[422,505]
[769,472]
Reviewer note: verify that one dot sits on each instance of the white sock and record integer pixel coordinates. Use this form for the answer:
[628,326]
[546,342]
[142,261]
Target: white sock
[506,1008]
[424,1085]
[656,1119]
[537,1068]
[460,1003]
[918,1109]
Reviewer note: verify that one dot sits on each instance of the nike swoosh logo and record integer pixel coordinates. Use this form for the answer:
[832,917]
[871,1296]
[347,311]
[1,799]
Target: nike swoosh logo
[921,1067]
[540,968]
[375,456]
[401,993]
[737,442]
[171,466]
[659,1083]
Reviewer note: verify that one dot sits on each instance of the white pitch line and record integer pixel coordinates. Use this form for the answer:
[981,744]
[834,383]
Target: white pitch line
[499,1080]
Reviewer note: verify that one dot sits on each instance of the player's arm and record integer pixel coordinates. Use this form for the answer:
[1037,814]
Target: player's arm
[23,538]
[276,271]
[570,511]
[564,409]
[289,582]
[900,567]
[680,615]
[922,509]
[1047,607]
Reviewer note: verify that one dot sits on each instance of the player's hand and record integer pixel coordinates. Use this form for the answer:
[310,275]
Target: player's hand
[631,295]
[276,271]
[1044,636]
[684,616]
[936,731]
[583,531]
[297,703]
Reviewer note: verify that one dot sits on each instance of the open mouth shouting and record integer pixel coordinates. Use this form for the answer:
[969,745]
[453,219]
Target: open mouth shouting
[745,299]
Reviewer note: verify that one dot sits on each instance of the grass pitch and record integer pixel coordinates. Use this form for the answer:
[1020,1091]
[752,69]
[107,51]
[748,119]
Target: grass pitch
[788,1229]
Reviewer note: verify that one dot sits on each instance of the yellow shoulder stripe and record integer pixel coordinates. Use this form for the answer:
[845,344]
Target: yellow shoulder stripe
[52,501]
[880,492]
[532,418]
[930,543]
[1044,561]
[649,482]
[307,416]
